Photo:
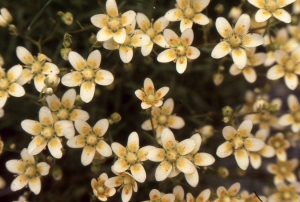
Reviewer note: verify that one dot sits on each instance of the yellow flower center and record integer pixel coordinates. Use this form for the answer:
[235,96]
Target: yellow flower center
[36,67]
[289,65]
[47,132]
[237,142]
[235,41]
[131,158]
[127,179]
[189,12]
[277,144]
[287,195]
[150,32]
[172,155]
[283,169]
[162,119]
[100,190]
[180,50]
[63,114]
[271,5]
[91,139]
[30,171]
[297,116]
[114,24]
[226,199]
[151,98]
[88,74]
[4,84]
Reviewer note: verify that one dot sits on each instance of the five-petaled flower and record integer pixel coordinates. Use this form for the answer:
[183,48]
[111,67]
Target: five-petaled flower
[100,190]
[112,25]
[28,171]
[180,49]
[87,73]
[235,40]
[292,118]
[228,195]
[47,132]
[91,139]
[149,96]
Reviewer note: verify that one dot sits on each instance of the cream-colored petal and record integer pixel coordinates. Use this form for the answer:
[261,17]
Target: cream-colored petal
[68,99]
[139,40]
[72,79]
[242,158]
[126,54]
[185,146]
[128,17]
[156,154]
[255,160]
[43,168]
[220,50]
[250,74]
[100,20]
[24,55]
[53,102]
[19,182]
[174,15]
[87,155]
[82,127]
[253,144]
[120,36]
[200,19]
[14,72]
[15,166]
[245,128]
[76,142]
[119,149]
[242,25]
[104,77]
[239,57]
[50,69]
[192,179]
[262,15]
[25,77]
[120,165]
[138,172]
[175,122]
[228,132]
[167,56]
[31,127]
[203,159]
[234,70]
[224,150]
[133,142]
[291,80]
[39,82]
[37,145]
[171,38]
[126,193]
[163,170]
[104,149]
[275,72]
[104,34]
[143,152]
[257,3]
[76,61]
[181,64]
[160,40]
[146,50]
[64,128]
[45,116]
[112,8]
[101,127]
[185,24]
[94,59]
[142,21]
[252,40]
[192,53]
[282,15]
[267,151]
[79,114]
[234,189]
[160,24]
[293,102]
[200,5]
[87,91]
[223,27]
[55,146]
[168,139]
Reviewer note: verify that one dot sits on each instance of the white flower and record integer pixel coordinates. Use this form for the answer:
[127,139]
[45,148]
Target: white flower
[253,60]
[235,40]
[134,38]
[65,109]
[180,49]
[188,11]
[5,17]
[268,8]
[286,193]
[100,190]
[47,132]
[280,145]
[91,139]
[292,118]
[252,197]
[87,73]
[8,84]
[172,155]
[228,195]
[202,197]
[155,195]
[162,117]
[153,30]
[239,143]
[131,157]
[149,96]
[28,171]
[112,25]
[35,68]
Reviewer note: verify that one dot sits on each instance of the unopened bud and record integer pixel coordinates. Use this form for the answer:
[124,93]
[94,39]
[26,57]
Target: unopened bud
[57,173]
[260,105]
[222,172]
[235,13]
[64,52]
[12,146]
[219,8]
[52,81]
[48,91]
[13,30]
[207,131]
[67,17]
[5,17]
[114,118]
[295,20]
[218,78]
[227,111]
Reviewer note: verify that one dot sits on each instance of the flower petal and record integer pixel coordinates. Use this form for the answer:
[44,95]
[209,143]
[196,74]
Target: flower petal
[24,55]
[245,128]
[76,61]
[35,185]
[54,146]
[253,144]
[103,148]
[282,15]
[126,54]
[242,158]
[224,150]
[252,40]
[156,154]
[291,80]
[163,170]
[262,15]
[87,91]
[72,79]
[104,34]
[242,25]
[174,14]
[37,145]
[100,20]
[220,50]
[138,172]
[19,182]
[200,19]
[223,27]
[104,77]
[239,57]
[87,155]
[31,127]
[167,56]
[181,64]
[203,159]
[64,128]
[94,59]
[45,116]
[76,142]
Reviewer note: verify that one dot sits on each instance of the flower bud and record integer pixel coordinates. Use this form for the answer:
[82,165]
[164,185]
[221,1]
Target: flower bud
[207,131]
[114,118]
[13,30]
[67,17]
[64,52]
[5,17]
[222,172]
[218,78]
[234,13]
[219,8]
[52,81]
[227,111]
[57,173]
[260,105]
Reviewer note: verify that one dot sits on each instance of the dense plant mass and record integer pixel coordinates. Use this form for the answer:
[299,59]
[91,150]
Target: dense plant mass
[135,100]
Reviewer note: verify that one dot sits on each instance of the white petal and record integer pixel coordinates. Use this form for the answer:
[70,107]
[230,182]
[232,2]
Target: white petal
[133,142]
[185,24]
[192,53]
[174,14]
[87,91]
[275,72]
[203,159]
[185,165]
[167,56]
[242,158]
[239,57]
[24,55]
[249,74]
[19,182]
[111,8]
[171,37]
[252,40]
[76,142]
[181,64]
[220,50]
[68,99]
[50,68]
[200,19]
[262,15]
[193,178]
[16,90]
[291,80]
[126,193]
[156,154]
[76,61]
[185,146]
[163,170]
[72,79]
[223,27]
[228,132]
[257,3]
[37,145]
[168,139]
[245,128]
[234,70]
[126,54]
[242,25]
[120,36]
[104,77]
[54,146]
[160,24]
[138,172]
[43,168]
[39,82]
[64,128]
[53,102]
[161,41]
[87,155]
[82,127]
[104,34]
[101,127]
[224,150]
[100,20]
[282,15]
[31,127]
[253,144]
[146,50]
[119,149]
[14,72]
[139,40]
[175,122]
[120,165]
[104,149]
[35,185]
[255,160]
[128,17]
[94,59]
[25,77]
[27,157]
[15,166]
[79,114]
[142,21]
[45,116]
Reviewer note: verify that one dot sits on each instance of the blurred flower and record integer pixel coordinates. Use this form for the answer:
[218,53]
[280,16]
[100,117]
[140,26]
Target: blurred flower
[153,30]
[47,132]
[271,8]
[292,118]
[161,118]
[112,25]
[67,17]
[87,73]
[149,96]
[5,17]
[239,143]
[286,193]
[202,197]
[35,67]
[235,13]
[235,40]
[91,139]
[228,195]
[9,85]
[180,49]
[28,171]
[131,157]
[155,195]
[246,197]
[100,190]
[187,12]
[280,145]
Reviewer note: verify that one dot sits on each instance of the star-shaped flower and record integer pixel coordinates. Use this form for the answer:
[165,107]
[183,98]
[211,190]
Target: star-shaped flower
[228,194]
[155,195]
[235,40]
[87,73]
[293,117]
[100,190]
